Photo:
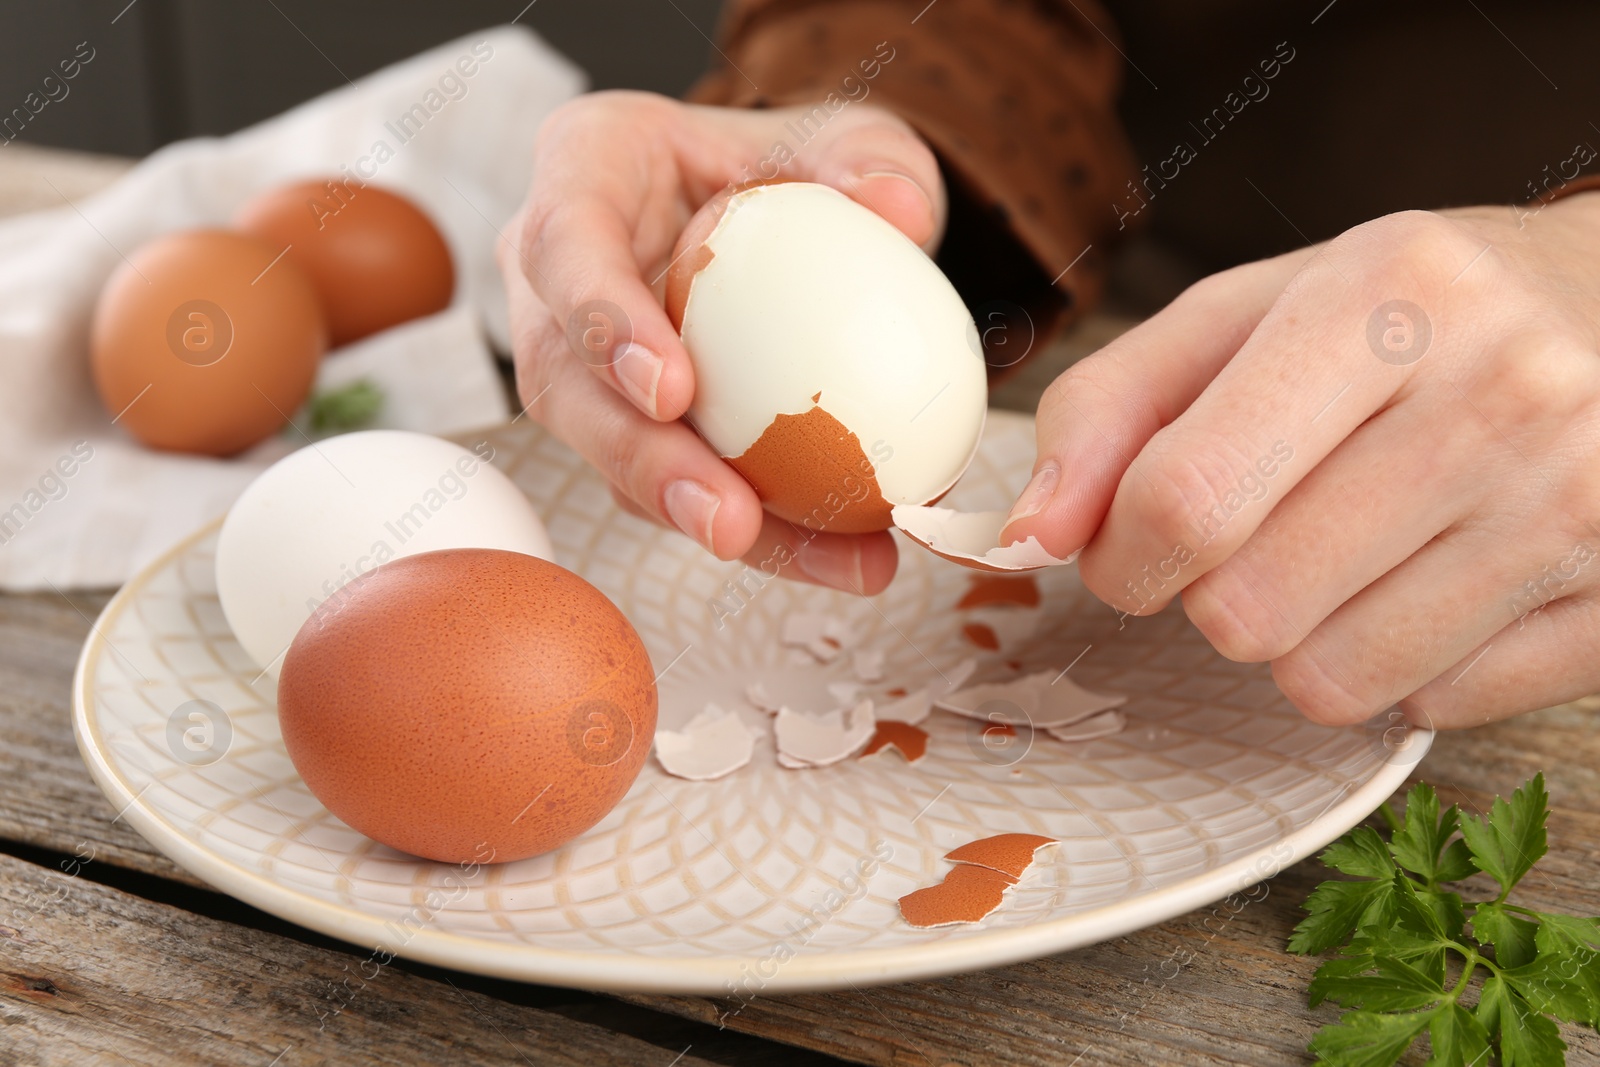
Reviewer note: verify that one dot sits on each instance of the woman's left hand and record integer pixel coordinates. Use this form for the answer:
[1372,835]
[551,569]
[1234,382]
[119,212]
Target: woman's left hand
[1375,463]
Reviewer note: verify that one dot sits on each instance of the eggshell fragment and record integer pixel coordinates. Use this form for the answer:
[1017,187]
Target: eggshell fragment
[911,741]
[824,636]
[715,743]
[868,665]
[909,708]
[1000,629]
[756,693]
[972,539]
[999,589]
[844,693]
[817,740]
[968,894]
[952,679]
[1104,724]
[1010,854]
[1039,701]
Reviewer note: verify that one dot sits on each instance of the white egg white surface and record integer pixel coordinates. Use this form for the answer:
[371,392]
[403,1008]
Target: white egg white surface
[319,518]
[809,292]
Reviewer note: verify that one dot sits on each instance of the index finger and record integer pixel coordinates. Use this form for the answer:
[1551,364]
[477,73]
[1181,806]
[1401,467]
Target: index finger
[1303,382]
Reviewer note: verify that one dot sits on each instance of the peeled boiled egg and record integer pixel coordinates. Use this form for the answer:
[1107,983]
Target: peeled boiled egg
[469,705]
[375,257]
[202,342]
[835,366]
[314,525]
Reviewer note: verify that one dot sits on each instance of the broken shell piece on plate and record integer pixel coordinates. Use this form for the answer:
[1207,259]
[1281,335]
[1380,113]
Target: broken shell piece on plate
[844,693]
[868,665]
[824,636]
[1103,724]
[910,741]
[984,870]
[968,894]
[814,740]
[1020,590]
[756,693]
[1000,629]
[911,708]
[953,679]
[1010,854]
[713,744]
[972,539]
[1039,701]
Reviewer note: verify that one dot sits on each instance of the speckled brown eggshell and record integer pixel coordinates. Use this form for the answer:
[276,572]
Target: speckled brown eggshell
[375,257]
[202,342]
[468,705]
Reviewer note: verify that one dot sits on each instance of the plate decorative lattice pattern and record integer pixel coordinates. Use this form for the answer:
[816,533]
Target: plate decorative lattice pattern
[770,879]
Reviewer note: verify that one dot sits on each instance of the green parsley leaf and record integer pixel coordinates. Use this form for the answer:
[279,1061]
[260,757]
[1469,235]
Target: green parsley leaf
[1459,1039]
[1393,985]
[1407,963]
[1422,837]
[1511,839]
[1360,853]
[1337,910]
[1368,1039]
[1511,936]
[1526,1038]
[349,407]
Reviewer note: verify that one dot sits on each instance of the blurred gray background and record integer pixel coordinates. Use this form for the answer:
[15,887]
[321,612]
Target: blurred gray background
[168,69]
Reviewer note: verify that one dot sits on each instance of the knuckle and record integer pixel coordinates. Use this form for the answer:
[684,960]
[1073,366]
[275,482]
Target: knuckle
[1422,250]
[1189,498]
[1318,689]
[1539,376]
[1237,622]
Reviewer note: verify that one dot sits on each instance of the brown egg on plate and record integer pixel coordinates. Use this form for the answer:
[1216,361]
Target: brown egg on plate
[468,705]
[375,257]
[203,342]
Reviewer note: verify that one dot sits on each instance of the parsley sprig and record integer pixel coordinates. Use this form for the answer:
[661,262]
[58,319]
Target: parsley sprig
[1406,962]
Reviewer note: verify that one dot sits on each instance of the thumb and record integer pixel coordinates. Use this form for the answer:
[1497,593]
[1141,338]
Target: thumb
[879,162]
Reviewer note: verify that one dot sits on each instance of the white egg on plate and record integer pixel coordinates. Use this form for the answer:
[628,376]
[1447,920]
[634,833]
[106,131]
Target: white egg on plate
[836,367]
[320,518]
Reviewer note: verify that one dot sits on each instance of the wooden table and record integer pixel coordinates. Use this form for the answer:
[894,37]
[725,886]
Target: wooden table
[110,953]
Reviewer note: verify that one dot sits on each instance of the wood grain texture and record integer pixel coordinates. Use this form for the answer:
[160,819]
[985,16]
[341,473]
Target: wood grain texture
[1211,987]
[89,974]
[53,803]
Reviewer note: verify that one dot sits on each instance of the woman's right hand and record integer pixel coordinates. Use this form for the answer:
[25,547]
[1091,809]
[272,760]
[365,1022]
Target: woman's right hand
[617,177]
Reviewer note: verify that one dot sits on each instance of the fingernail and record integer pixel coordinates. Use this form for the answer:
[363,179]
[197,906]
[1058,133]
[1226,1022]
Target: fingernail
[908,179]
[639,371]
[1041,487]
[693,509]
[834,563]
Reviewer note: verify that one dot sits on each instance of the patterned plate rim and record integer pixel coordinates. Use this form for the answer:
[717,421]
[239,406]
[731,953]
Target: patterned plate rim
[639,973]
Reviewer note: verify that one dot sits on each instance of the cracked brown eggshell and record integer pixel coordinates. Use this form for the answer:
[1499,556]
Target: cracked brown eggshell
[836,367]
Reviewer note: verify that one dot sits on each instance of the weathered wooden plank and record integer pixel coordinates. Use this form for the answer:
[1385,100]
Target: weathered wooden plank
[90,974]
[49,799]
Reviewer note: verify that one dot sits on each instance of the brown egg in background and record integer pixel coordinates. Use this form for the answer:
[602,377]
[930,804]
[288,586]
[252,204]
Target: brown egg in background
[202,343]
[375,257]
[469,705]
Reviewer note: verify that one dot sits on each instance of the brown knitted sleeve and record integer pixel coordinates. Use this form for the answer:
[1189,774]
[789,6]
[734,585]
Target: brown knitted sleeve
[1015,97]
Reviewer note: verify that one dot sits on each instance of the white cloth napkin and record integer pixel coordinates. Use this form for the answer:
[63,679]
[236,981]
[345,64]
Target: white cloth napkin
[81,503]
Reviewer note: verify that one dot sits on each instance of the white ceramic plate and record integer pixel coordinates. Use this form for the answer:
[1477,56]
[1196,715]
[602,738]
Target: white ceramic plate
[772,879]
